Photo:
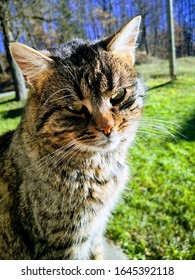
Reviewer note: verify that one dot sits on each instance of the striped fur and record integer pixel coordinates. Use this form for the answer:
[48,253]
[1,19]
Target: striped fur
[62,171]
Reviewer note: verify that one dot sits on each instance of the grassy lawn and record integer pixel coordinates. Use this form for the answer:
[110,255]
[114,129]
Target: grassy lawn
[155,218]
[10,113]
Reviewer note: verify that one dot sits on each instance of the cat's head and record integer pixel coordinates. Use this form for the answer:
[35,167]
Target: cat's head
[85,95]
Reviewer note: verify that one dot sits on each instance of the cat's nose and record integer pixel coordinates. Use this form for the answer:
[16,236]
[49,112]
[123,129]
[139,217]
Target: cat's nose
[103,119]
[105,125]
[107,130]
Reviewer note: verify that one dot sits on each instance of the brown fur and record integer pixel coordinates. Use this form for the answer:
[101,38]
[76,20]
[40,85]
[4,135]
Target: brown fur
[61,171]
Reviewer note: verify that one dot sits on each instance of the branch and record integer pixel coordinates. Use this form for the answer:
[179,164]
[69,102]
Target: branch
[41,18]
[27,17]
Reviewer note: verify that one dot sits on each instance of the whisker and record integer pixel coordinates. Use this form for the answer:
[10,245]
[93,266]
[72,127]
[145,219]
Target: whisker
[71,155]
[62,97]
[151,134]
[49,157]
[62,89]
[72,151]
[161,127]
[68,68]
[77,148]
[146,119]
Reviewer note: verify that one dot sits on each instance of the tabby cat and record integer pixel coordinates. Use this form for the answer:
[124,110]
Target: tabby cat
[63,168]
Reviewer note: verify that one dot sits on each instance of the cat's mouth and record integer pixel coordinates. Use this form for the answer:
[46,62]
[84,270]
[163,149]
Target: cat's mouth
[102,145]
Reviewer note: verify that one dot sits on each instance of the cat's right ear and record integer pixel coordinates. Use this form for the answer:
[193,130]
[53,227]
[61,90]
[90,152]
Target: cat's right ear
[123,42]
[32,63]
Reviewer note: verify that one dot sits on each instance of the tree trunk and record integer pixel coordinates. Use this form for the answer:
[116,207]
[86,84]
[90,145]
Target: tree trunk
[18,79]
[171,36]
[144,35]
[2,69]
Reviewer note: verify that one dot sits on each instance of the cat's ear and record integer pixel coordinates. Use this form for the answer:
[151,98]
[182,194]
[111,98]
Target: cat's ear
[123,42]
[32,63]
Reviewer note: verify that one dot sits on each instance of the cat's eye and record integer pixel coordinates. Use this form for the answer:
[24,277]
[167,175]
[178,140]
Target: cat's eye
[118,96]
[76,108]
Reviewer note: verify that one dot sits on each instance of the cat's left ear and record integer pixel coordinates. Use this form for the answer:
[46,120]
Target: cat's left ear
[34,64]
[123,42]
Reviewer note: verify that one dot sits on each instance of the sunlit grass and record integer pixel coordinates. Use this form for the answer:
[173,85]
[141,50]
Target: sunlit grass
[10,113]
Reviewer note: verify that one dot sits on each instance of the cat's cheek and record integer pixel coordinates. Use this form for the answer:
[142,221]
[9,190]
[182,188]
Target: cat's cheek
[127,128]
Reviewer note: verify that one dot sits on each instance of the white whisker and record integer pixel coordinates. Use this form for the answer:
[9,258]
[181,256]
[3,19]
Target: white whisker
[68,68]
[48,158]
[62,89]
[150,133]
[62,97]
[148,119]
[64,156]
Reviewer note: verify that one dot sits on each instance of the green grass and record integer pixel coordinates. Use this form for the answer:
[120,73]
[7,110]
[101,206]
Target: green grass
[155,218]
[10,113]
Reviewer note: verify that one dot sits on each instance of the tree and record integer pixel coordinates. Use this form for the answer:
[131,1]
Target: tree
[19,83]
[2,69]
[33,21]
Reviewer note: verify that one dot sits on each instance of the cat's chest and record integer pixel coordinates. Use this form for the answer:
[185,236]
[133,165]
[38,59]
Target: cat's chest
[79,197]
[73,205]
[84,176]
[96,181]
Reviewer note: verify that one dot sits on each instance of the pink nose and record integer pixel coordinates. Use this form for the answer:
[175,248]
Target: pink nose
[106,130]
[105,124]
[103,119]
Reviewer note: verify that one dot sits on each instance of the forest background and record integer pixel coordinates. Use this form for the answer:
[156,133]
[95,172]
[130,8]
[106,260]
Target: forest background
[43,24]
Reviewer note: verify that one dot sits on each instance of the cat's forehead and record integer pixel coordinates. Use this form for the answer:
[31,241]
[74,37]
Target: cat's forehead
[75,51]
[96,71]
[105,74]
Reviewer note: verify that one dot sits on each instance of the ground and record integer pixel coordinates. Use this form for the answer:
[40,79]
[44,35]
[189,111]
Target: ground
[155,218]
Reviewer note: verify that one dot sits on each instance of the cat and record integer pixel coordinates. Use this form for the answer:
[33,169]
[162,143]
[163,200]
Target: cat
[63,168]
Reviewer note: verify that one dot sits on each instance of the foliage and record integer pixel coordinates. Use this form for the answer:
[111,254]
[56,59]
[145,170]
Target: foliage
[155,217]
[39,23]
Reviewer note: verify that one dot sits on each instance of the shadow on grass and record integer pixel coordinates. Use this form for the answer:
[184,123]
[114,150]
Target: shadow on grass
[7,101]
[6,86]
[161,85]
[11,114]
[188,130]
[159,76]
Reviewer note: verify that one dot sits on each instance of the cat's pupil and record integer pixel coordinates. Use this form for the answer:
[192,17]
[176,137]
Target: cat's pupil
[118,96]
